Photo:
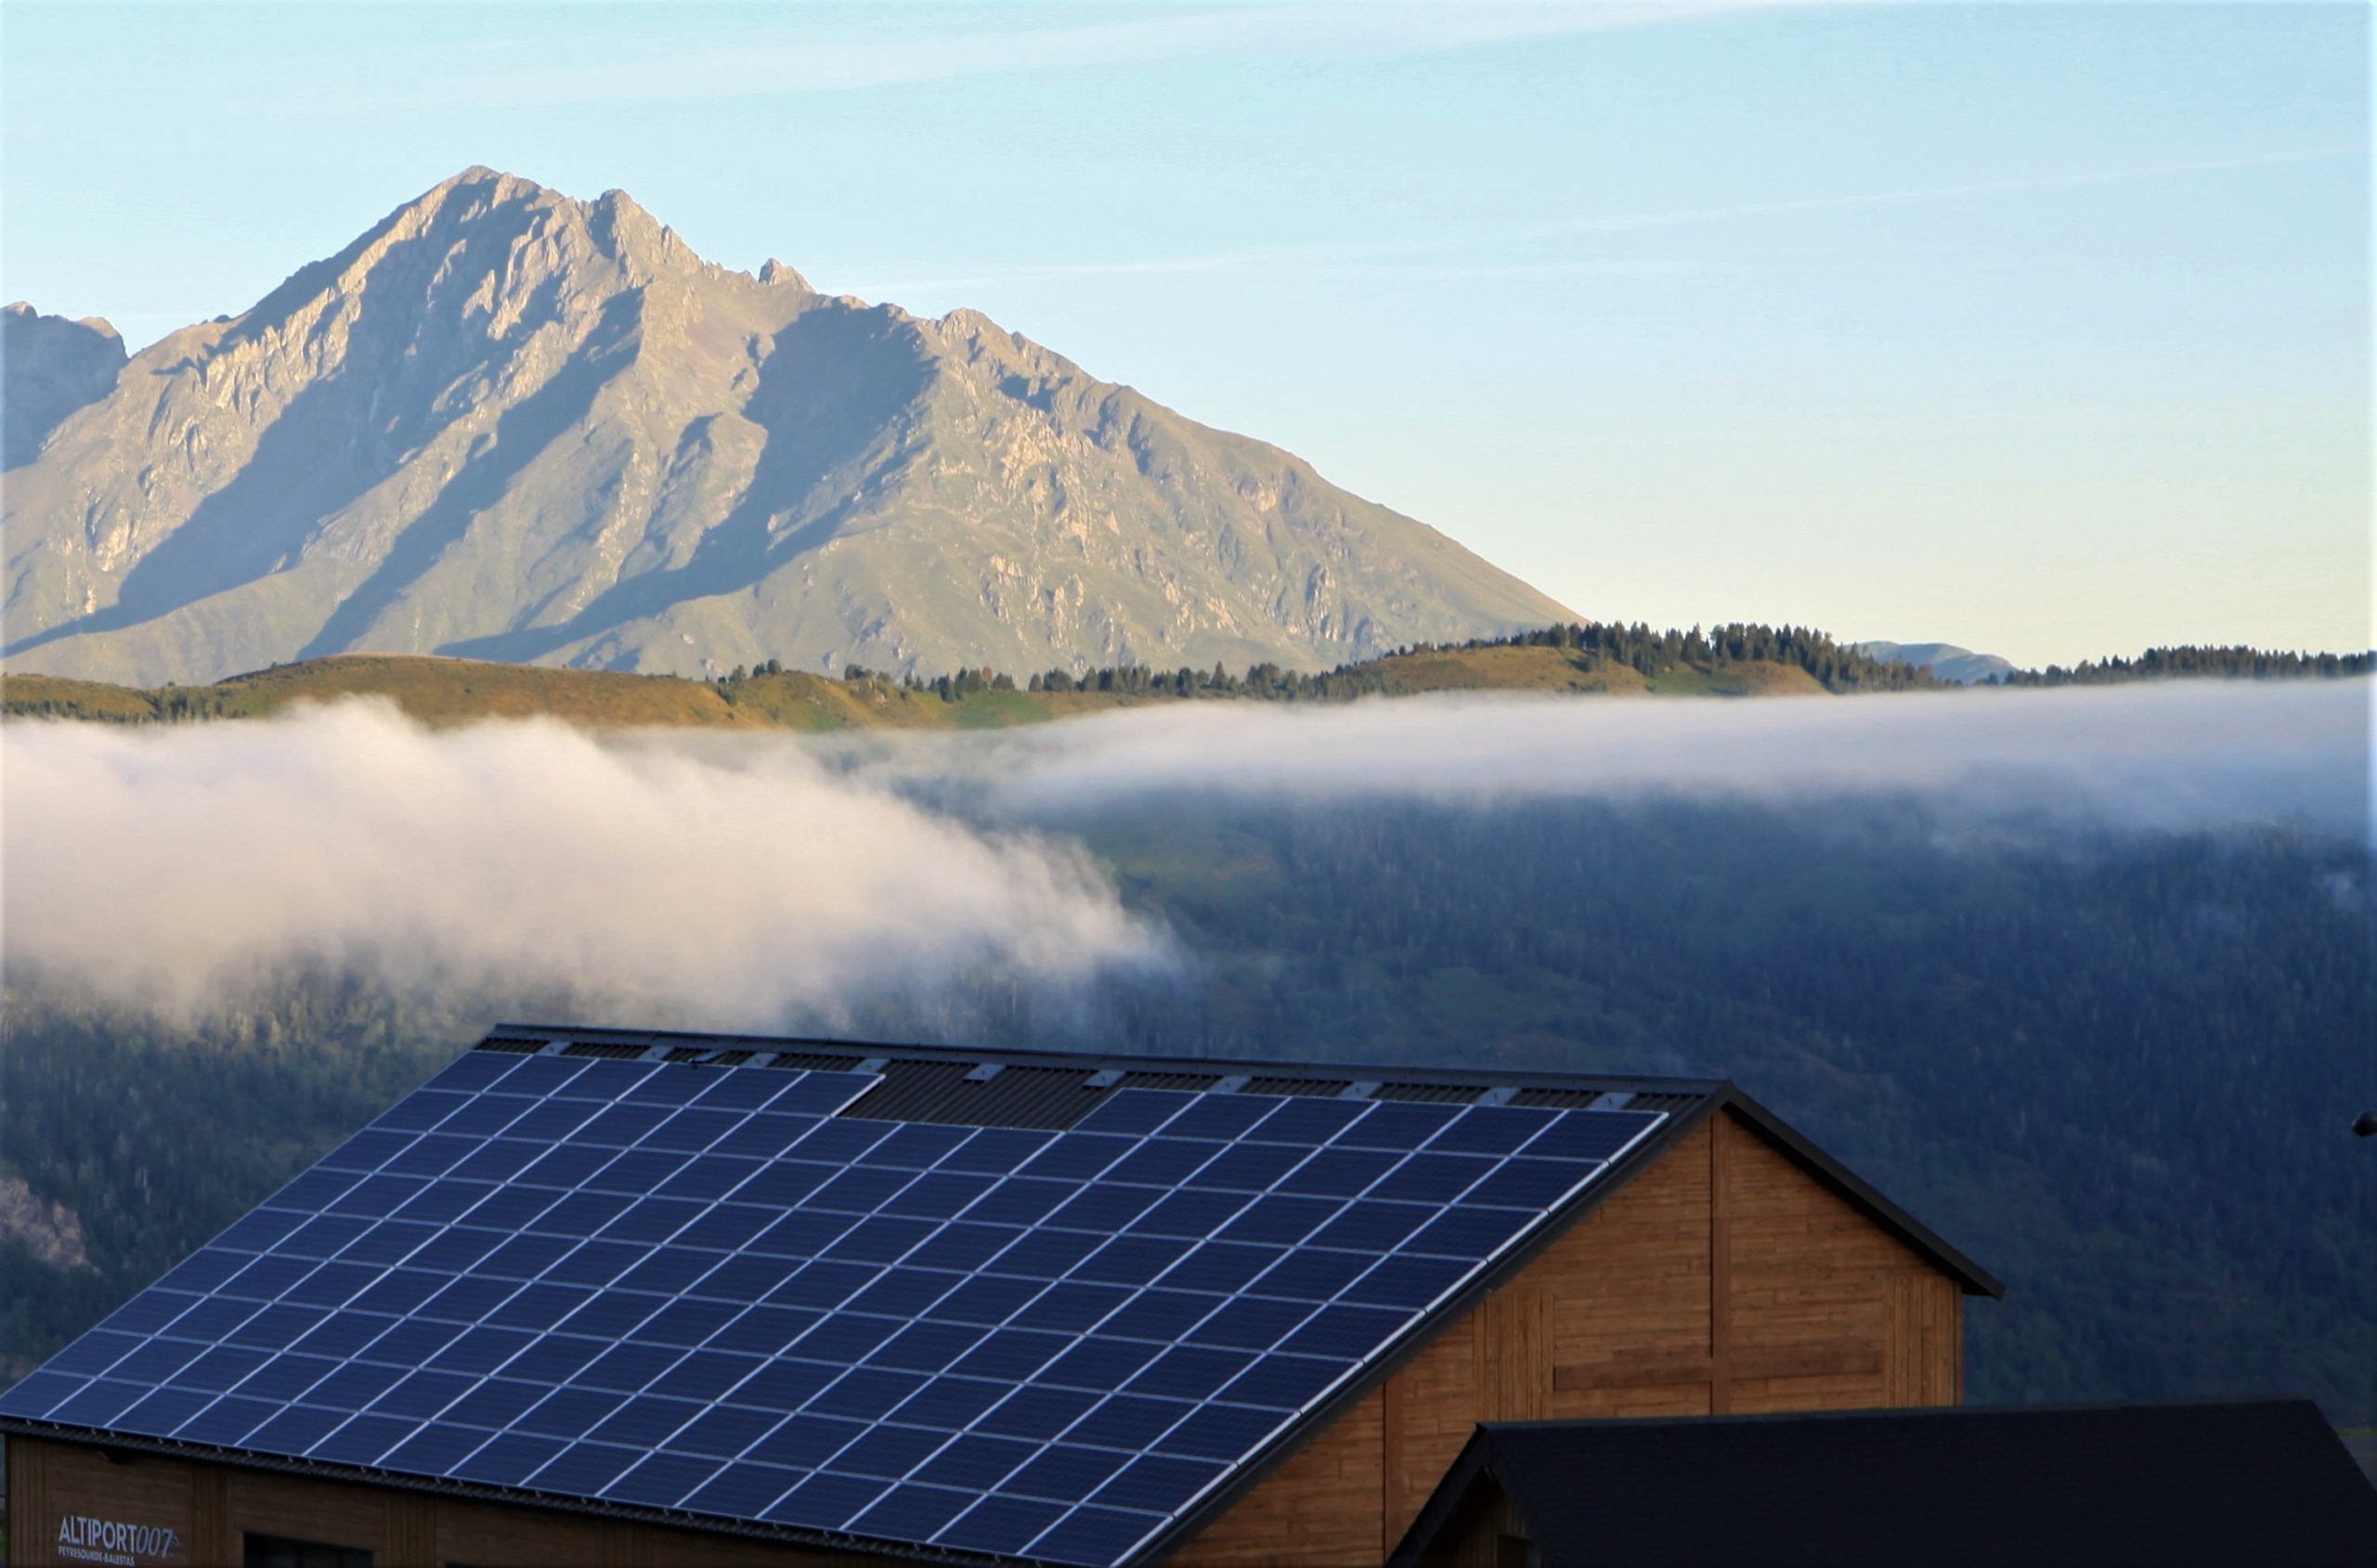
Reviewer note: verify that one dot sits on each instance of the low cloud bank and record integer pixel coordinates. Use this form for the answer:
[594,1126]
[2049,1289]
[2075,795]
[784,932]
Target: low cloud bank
[169,867]
[2166,756]
[740,881]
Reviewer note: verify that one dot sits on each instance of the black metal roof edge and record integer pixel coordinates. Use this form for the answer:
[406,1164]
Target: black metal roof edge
[1259,1467]
[1452,1491]
[1098,1061]
[2292,1402]
[478,1492]
[1975,1280]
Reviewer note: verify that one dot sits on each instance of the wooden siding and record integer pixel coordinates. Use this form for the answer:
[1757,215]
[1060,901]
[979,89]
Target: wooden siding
[1723,1278]
[210,1507]
[1319,1510]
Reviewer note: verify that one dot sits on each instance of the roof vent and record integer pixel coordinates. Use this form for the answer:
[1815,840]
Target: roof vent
[512,1044]
[1363,1089]
[984,1073]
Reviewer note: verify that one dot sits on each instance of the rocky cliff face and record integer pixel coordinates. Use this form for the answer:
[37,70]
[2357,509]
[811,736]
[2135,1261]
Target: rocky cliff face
[53,367]
[512,426]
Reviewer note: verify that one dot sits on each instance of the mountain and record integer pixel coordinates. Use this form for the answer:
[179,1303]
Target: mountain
[53,367]
[511,425]
[1945,660]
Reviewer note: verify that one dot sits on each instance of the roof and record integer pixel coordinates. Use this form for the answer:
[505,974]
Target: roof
[2177,1484]
[981,1306]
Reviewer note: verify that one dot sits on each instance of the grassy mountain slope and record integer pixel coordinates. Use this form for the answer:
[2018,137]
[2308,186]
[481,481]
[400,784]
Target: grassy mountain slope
[438,690]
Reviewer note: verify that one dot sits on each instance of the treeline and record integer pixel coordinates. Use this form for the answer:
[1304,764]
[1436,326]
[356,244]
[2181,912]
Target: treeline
[2192,663]
[1423,667]
[1837,665]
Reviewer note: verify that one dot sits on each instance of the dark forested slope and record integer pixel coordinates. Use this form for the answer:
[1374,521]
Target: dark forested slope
[2119,1070]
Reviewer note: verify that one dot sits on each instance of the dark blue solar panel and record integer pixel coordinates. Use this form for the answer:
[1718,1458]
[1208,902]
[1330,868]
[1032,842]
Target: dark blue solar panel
[508,1460]
[1001,1525]
[703,1289]
[742,1491]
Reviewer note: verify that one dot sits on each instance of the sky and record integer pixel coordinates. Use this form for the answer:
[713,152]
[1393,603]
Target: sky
[2039,328]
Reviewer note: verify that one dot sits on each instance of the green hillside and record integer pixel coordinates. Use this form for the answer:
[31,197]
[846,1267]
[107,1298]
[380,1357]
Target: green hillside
[1585,660]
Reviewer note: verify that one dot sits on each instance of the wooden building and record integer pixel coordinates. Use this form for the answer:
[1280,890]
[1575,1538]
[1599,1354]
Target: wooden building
[1089,1311]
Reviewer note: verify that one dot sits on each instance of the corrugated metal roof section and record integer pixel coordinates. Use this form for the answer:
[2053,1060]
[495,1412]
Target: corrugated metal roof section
[958,1095]
[815,1061]
[1670,1103]
[1442,1093]
[1194,1081]
[973,1086]
[606,1049]
[1322,1088]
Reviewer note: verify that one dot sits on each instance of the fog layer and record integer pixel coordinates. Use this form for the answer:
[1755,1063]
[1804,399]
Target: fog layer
[171,867]
[747,881]
[2168,756]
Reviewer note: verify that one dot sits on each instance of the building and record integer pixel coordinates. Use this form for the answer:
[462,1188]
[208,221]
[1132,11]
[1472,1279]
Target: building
[2213,1485]
[604,1297]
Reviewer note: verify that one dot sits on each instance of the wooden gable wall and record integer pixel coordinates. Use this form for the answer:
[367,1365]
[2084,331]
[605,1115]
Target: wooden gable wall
[1724,1278]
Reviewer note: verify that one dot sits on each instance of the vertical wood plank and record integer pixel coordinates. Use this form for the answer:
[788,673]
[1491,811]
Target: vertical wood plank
[213,1539]
[413,1529]
[1720,1273]
[1392,1485]
[28,1499]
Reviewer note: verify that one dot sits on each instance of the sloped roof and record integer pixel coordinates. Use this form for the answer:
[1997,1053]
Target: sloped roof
[948,1303]
[2177,1484]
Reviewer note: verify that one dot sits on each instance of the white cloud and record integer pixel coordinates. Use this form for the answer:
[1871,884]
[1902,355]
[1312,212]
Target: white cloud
[2160,755]
[169,866]
[738,881]
[897,47]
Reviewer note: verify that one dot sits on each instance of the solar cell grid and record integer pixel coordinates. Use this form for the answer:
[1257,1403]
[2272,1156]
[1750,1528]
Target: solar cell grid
[701,1287]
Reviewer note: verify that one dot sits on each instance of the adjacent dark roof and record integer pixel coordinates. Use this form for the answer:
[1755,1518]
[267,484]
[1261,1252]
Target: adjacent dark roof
[2180,1483]
[386,1313]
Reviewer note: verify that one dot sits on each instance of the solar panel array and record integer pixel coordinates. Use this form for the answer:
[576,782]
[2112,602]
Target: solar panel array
[701,1289]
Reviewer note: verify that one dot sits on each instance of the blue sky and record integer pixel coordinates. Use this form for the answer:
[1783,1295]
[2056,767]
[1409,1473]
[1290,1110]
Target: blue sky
[2040,328]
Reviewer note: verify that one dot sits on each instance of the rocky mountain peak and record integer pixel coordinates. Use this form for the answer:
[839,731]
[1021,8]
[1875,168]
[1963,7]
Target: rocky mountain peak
[54,368]
[507,423]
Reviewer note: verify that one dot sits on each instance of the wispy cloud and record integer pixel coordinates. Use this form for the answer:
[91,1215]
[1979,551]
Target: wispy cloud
[2018,185]
[1391,259]
[2183,755]
[1396,257]
[894,48]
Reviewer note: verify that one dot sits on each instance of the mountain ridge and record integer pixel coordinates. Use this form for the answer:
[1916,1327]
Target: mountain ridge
[1945,660]
[504,423]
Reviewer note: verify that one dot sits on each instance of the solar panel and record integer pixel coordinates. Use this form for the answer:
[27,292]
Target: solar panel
[701,1289]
